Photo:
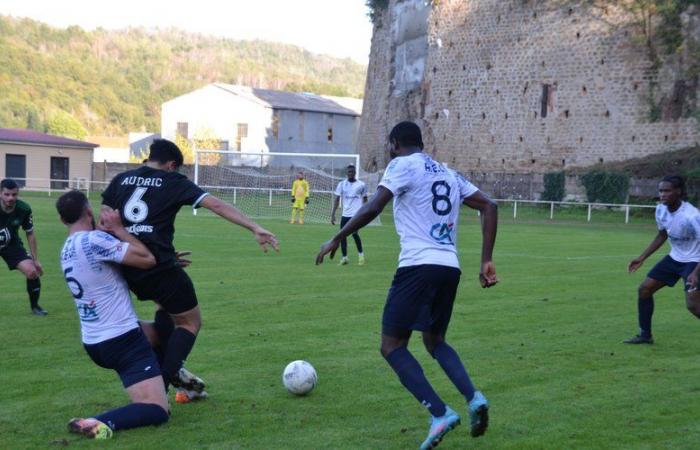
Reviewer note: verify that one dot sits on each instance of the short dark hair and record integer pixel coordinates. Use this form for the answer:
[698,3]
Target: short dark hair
[351,166]
[407,134]
[677,182]
[9,183]
[163,151]
[70,206]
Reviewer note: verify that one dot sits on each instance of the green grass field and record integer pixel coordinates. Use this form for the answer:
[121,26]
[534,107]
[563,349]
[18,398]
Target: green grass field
[544,346]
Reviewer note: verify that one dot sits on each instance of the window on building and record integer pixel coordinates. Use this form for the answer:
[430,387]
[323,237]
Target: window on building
[276,125]
[330,135]
[242,132]
[223,145]
[16,168]
[59,172]
[545,100]
[182,129]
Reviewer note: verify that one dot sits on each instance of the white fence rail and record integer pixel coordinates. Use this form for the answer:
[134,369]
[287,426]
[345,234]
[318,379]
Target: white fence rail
[590,207]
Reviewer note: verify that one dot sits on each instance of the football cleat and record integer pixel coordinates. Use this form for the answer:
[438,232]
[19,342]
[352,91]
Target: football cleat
[343,261]
[90,428]
[439,427]
[183,396]
[184,379]
[361,260]
[478,414]
[639,339]
[39,311]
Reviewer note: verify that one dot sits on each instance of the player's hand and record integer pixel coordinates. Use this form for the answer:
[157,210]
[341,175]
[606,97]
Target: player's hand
[487,276]
[265,238]
[333,220]
[692,282]
[326,248]
[110,220]
[181,260]
[292,200]
[39,268]
[635,264]
[306,201]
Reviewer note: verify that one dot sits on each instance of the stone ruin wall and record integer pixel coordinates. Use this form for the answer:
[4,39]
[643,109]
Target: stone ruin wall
[471,74]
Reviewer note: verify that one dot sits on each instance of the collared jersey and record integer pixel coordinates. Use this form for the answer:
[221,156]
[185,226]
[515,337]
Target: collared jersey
[351,195]
[683,229]
[89,260]
[148,200]
[10,222]
[427,197]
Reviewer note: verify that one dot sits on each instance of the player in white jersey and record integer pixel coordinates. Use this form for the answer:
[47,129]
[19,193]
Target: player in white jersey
[110,329]
[427,196]
[353,193]
[678,222]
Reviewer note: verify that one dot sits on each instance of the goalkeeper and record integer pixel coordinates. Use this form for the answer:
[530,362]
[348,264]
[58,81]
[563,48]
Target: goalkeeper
[300,197]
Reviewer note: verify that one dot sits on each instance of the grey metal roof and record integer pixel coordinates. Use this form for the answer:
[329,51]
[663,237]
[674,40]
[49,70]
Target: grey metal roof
[288,100]
[34,137]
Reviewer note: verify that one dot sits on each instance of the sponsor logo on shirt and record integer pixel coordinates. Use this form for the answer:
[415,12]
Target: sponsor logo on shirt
[5,237]
[88,312]
[442,233]
[137,229]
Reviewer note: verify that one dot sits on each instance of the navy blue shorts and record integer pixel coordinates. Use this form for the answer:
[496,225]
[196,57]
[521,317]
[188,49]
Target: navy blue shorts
[669,271]
[420,298]
[130,354]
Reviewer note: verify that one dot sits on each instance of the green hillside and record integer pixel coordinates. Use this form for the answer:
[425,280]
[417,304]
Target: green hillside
[113,82]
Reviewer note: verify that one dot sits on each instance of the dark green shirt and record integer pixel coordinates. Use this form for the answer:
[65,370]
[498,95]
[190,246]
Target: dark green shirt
[10,223]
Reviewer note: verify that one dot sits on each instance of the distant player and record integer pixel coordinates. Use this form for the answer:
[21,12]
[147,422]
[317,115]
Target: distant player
[427,196]
[679,222]
[110,329]
[300,197]
[353,192]
[148,199]
[15,213]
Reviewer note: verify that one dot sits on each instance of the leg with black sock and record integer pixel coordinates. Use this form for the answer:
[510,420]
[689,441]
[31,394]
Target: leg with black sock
[412,377]
[133,416]
[358,242]
[645,310]
[449,360]
[179,347]
[164,327]
[34,291]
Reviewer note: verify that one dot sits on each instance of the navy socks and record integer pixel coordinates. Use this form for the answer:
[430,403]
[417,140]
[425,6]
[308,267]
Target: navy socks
[645,309]
[179,347]
[34,289]
[133,416]
[412,377]
[453,367]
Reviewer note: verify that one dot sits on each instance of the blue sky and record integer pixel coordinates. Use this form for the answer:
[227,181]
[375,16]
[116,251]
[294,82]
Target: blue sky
[336,27]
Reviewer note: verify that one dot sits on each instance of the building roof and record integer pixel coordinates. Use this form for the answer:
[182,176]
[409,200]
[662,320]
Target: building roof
[18,136]
[290,100]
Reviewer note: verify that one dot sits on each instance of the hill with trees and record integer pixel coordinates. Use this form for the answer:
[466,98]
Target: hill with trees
[75,82]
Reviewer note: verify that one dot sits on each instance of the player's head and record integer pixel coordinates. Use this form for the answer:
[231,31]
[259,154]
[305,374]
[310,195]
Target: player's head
[300,175]
[672,190]
[404,136]
[351,172]
[74,206]
[166,155]
[9,189]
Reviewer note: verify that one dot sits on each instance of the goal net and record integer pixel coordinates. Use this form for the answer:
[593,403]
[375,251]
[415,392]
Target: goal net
[260,184]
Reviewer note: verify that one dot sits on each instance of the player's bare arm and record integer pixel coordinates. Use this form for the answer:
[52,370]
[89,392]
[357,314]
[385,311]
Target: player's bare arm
[658,241]
[693,279]
[336,203]
[367,213]
[489,225]
[33,249]
[233,215]
[137,255]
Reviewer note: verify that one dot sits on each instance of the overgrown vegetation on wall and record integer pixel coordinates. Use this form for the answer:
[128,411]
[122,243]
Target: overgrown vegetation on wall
[554,186]
[605,187]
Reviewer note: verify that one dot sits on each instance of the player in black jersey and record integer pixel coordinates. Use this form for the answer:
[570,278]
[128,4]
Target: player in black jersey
[15,213]
[149,198]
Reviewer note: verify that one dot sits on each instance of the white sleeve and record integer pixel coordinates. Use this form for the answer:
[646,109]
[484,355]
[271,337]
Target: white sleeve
[398,176]
[106,247]
[657,215]
[466,189]
[696,225]
[339,189]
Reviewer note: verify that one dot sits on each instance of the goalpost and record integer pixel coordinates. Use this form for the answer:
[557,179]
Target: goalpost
[260,183]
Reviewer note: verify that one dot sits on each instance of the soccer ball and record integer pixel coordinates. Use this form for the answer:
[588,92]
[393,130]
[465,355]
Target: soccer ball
[299,377]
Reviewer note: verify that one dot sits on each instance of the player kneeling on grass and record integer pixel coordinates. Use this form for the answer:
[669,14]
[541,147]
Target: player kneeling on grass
[110,329]
[679,222]
[427,196]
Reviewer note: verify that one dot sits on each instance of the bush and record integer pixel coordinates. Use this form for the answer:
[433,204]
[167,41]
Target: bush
[605,187]
[554,186]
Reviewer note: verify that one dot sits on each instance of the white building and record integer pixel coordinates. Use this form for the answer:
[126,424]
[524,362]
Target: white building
[262,120]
